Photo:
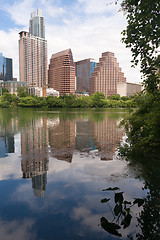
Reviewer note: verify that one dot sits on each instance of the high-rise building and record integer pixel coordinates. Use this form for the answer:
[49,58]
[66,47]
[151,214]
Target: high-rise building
[61,74]
[33,54]
[84,70]
[106,75]
[6,73]
[33,60]
[36,24]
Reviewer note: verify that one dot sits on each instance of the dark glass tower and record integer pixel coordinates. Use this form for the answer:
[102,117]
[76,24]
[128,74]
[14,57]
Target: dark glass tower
[6,73]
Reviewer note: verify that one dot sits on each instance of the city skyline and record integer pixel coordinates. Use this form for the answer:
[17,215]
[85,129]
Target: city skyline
[88,28]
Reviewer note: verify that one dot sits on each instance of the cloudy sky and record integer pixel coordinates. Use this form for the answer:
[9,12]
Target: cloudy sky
[88,27]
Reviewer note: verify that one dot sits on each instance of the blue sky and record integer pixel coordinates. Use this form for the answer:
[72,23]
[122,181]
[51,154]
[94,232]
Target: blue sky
[88,27]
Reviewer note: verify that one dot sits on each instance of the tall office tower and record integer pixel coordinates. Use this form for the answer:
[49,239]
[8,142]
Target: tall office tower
[33,60]
[36,24]
[6,73]
[106,75]
[61,74]
[84,70]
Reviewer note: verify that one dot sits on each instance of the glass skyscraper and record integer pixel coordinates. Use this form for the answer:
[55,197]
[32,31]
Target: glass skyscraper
[84,70]
[36,24]
[6,73]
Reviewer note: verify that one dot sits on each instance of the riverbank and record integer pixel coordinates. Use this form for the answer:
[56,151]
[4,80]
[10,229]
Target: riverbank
[97,100]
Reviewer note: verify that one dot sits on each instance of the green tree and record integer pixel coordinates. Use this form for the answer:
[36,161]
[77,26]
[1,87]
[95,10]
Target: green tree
[115,97]
[142,35]
[22,92]
[98,99]
[4,90]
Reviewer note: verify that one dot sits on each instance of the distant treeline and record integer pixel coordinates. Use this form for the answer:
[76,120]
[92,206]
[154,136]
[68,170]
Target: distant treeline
[97,100]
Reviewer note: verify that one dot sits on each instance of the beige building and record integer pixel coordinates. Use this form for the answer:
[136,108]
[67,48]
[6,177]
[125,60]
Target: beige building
[61,73]
[106,75]
[12,86]
[43,91]
[33,60]
[127,89]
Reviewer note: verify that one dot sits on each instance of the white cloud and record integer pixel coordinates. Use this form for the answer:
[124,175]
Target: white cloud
[9,47]
[20,11]
[50,9]
[17,229]
[97,7]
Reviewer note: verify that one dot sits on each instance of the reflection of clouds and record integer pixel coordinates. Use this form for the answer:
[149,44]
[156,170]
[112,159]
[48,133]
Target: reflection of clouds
[18,230]
[86,168]
[86,217]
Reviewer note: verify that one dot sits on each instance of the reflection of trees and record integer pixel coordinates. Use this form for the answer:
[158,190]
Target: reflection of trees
[106,137]
[34,149]
[148,220]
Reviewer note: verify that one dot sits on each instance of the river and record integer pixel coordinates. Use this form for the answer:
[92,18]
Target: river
[61,178]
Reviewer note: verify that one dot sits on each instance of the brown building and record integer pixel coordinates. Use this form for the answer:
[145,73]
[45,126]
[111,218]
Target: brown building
[61,74]
[106,75]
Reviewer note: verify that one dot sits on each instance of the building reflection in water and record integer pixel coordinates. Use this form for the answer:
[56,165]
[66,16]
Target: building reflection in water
[7,132]
[6,145]
[62,140]
[84,139]
[64,137]
[84,135]
[34,150]
[106,137]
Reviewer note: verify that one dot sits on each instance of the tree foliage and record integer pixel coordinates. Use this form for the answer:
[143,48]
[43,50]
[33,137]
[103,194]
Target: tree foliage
[142,126]
[97,100]
[22,92]
[142,35]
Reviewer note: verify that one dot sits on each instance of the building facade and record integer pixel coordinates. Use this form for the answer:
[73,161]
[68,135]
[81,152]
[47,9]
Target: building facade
[6,72]
[33,60]
[12,86]
[106,75]
[43,91]
[36,24]
[127,89]
[84,70]
[61,73]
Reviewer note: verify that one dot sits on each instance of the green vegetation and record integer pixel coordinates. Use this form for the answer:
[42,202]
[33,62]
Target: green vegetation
[142,126]
[97,100]
[142,35]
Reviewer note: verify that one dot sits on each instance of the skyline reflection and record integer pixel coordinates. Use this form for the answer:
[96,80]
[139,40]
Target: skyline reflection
[50,135]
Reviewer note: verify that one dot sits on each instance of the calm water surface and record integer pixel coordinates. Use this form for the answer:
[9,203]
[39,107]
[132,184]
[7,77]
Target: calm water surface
[53,168]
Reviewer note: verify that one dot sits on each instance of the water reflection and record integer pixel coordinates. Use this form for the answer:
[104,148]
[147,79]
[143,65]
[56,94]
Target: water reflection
[62,140]
[59,133]
[7,131]
[106,137]
[63,155]
[34,152]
